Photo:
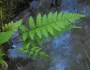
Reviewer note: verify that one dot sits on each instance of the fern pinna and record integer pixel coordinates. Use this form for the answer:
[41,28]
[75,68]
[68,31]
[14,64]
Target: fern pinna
[45,27]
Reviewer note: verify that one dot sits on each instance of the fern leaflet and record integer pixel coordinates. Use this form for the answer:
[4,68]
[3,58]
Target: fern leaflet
[11,26]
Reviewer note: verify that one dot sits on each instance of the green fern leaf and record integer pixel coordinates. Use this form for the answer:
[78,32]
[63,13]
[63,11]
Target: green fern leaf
[64,15]
[60,24]
[9,25]
[5,36]
[32,34]
[25,51]
[50,17]
[46,27]
[18,23]
[27,45]
[12,26]
[39,32]
[44,20]
[23,28]
[44,31]
[38,40]
[56,27]
[36,52]
[72,17]
[32,50]
[5,27]
[35,55]
[43,55]
[59,16]
[33,44]
[24,36]
[50,30]
[72,26]
[38,20]
[31,23]
[30,53]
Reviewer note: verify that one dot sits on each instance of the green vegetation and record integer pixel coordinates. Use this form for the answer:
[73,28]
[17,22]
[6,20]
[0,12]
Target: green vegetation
[35,35]
[44,27]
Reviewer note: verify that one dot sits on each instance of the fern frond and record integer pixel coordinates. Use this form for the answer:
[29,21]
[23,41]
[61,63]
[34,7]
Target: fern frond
[31,23]
[12,26]
[34,52]
[45,27]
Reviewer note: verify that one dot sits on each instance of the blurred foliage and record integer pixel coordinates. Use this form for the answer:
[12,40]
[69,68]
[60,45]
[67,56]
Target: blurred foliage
[3,64]
[7,31]
[8,8]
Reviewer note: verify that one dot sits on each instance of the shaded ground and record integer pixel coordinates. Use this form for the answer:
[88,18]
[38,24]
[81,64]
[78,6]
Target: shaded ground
[66,48]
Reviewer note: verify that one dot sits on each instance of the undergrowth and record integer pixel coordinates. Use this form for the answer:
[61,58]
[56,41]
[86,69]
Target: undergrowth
[39,30]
